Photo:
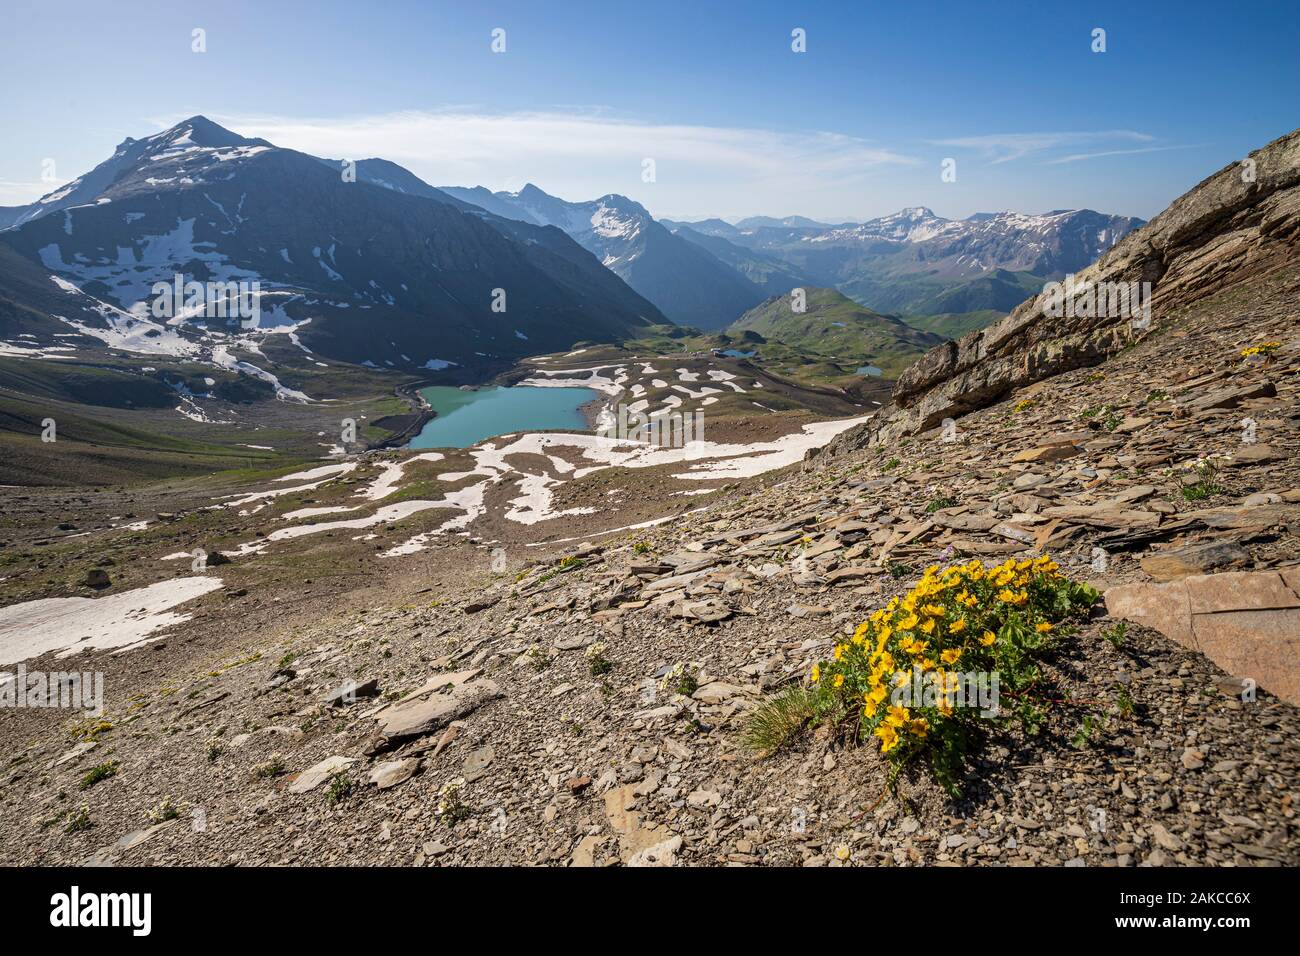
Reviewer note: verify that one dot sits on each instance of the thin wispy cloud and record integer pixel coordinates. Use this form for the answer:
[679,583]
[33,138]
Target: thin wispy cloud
[580,154]
[1078,157]
[1004,147]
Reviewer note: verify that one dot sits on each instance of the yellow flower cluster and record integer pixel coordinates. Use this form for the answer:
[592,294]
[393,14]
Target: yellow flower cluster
[1264,348]
[966,615]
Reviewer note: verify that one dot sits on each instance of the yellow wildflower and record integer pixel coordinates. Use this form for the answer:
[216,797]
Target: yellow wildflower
[913,646]
[888,738]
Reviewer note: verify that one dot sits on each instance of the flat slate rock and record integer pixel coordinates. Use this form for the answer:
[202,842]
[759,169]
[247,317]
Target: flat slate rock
[1246,622]
[415,718]
[1174,563]
[314,776]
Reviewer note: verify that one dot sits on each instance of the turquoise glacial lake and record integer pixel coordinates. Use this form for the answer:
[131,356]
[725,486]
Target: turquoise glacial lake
[465,418]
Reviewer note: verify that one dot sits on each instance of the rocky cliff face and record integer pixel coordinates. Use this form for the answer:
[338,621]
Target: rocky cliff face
[1242,222]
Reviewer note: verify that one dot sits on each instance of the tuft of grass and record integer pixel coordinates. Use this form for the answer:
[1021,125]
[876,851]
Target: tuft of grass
[99,773]
[778,721]
[1201,490]
[1115,634]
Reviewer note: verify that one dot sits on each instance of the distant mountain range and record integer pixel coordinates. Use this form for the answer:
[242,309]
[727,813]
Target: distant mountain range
[912,262]
[368,264]
[687,280]
[917,263]
[382,270]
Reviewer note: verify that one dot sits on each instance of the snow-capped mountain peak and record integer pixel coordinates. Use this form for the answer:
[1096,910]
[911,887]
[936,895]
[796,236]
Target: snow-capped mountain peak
[178,154]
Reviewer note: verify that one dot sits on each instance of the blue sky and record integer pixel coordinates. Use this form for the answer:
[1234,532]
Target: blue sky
[735,121]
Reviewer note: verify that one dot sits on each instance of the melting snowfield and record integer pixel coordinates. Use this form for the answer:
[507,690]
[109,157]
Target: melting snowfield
[113,622]
[321,475]
[514,459]
[132,330]
[612,384]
